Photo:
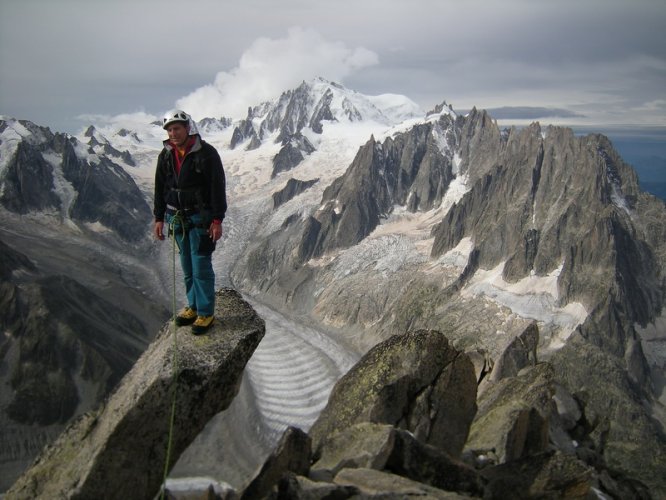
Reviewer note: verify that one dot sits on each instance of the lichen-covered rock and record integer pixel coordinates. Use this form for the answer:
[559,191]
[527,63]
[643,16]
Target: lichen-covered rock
[416,381]
[617,426]
[520,353]
[545,475]
[119,451]
[379,484]
[513,415]
[383,447]
[363,445]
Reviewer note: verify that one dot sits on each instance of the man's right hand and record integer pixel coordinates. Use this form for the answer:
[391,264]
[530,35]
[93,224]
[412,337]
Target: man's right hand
[158,229]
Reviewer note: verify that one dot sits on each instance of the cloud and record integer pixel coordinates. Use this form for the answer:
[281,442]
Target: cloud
[111,123]
[269,67]
[658,105]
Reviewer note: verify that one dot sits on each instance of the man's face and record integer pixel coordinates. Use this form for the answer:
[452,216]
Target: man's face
[178,133]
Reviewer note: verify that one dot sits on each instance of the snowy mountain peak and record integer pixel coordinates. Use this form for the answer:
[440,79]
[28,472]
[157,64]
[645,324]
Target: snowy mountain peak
[12,129]
[346,104]
[90,131]
[83,185]
[316,102]
[94,137]
[99,144]
[213,125]
[440,110]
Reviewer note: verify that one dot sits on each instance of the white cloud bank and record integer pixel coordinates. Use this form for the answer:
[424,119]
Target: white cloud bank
[138,119]
[269,67]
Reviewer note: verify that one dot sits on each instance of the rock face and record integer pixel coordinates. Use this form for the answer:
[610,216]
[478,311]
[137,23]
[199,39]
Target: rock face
[57,324]
[293,188]
[410,169]
[416,381]
[119,451]
[293,151]
[535,187]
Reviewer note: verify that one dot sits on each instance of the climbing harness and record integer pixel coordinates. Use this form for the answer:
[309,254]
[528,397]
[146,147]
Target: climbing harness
[177,220]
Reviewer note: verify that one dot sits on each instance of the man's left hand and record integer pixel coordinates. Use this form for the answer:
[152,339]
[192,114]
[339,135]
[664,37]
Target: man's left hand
[215,231]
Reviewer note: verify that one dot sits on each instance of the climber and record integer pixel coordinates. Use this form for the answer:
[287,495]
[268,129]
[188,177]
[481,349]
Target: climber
[190,198]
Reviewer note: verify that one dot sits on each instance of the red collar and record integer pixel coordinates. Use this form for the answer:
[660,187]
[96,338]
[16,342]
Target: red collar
[179,159]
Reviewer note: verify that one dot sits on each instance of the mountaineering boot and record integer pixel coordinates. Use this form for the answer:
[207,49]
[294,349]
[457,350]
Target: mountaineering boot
[202,324]
[186,316]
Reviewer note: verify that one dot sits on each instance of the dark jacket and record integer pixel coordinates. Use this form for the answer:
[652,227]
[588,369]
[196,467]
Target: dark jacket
[200,186]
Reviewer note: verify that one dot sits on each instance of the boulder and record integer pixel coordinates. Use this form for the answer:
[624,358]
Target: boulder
[568,408]
[416,381]
[120,450]
[363,445]
[383,447]
[293,487]
[513,415]
[292,454]
[546,475]
[520,353]
[377,484]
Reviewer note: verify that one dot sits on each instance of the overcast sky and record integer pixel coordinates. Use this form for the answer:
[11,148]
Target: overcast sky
[597,62]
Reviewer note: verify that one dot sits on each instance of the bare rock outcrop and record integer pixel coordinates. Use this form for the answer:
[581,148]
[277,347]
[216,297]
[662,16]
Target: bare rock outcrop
[512,421]
[292,454]
[293,188]
[119,451]
[520,353]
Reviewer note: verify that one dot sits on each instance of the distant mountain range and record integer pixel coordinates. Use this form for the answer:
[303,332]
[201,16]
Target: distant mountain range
[371,219]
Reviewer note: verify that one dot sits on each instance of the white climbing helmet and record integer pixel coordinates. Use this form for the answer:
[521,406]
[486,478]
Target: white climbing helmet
[175,115]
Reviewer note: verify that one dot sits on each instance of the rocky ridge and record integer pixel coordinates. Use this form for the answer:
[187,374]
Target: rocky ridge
[414,416]
[119,450]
